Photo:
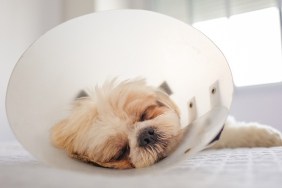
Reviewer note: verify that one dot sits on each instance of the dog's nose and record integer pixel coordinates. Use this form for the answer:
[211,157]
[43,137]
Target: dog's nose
[147,136]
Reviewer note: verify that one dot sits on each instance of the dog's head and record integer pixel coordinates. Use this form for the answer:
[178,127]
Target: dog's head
[123,125]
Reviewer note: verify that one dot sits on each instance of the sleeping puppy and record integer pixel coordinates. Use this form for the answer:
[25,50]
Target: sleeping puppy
[132,125]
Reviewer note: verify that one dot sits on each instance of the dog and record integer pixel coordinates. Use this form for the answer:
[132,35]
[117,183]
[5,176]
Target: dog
[132,125]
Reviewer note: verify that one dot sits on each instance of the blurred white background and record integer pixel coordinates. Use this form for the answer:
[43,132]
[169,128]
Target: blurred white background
[247,31]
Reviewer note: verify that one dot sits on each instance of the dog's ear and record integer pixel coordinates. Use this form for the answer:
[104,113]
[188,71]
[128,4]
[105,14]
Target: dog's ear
[165,87]
[64,133]
[61,135]
[82,94]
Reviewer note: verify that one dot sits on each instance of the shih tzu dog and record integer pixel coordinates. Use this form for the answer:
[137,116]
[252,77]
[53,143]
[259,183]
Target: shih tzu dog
[132,125]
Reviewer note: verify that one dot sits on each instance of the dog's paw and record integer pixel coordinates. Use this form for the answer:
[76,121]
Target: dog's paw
[239,134]
[256,135]
[269,136]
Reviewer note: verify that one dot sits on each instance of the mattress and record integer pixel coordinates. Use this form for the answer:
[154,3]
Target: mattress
[242,167]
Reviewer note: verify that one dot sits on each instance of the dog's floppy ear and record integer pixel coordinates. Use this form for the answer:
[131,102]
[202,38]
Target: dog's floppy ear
[61,136]
[64,133]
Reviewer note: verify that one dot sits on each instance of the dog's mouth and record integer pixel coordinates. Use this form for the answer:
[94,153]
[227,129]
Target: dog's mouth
[124,163]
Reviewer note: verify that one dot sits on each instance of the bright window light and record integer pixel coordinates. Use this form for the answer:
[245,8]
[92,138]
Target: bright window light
[251,43]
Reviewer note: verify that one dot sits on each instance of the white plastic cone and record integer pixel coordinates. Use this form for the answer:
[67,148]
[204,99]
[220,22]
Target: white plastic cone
[88,50]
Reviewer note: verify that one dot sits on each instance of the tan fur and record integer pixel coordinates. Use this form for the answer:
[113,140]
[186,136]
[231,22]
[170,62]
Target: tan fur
[103,128]
[101,125]
[241,134]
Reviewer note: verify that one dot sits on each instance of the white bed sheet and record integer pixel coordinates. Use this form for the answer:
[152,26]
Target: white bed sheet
[244,167]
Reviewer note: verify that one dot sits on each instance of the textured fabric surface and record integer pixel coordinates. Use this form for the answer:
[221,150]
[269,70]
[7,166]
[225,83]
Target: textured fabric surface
[244,167]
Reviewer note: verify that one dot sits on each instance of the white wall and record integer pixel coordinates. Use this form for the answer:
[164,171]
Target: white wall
[75,8]
[21,22]
[261,103]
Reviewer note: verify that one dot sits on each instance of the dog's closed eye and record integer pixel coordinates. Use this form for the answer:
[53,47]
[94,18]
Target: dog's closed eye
[152,111]
[148,113]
